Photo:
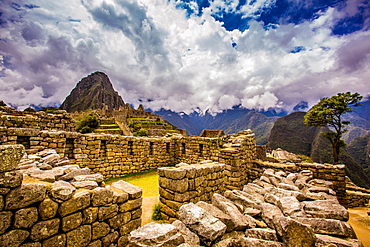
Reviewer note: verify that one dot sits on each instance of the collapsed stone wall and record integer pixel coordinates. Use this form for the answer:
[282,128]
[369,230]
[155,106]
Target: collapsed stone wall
[333,173]
[278,209]
[35,213]
[188,183]
[59,120]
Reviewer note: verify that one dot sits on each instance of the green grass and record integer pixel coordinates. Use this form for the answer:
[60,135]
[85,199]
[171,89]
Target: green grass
[108,125]
[147,180]
[107,129]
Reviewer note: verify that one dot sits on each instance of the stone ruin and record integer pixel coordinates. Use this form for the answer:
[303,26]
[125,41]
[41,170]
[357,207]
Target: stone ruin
[278,209]
[69,207]
[228,197]
[47,201]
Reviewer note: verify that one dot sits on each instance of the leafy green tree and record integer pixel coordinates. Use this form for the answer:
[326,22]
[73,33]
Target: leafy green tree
[88,123]
[329,112]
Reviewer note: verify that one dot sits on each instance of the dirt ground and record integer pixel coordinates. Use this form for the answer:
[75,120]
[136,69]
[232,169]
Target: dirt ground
[360,222]
[148,204]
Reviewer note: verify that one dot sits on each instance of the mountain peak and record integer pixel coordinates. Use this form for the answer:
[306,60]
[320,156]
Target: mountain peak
[93,92]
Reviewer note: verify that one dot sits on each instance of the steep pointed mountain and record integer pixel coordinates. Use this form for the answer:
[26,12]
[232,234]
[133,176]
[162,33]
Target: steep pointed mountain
[92,92]
[291,134]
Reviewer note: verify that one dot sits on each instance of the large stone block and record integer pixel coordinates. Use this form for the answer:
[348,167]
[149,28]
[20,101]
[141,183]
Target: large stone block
[5,221]
[14,238]
[10,155]
[79,201]
[11,179]
[133,191]
[327,209]
[294,233]
[25,217]
[154,234]
[25,195]
[62,190]
[79,237]
[71,222]
[55,241]
[45,229]
[47,209]
[101,196]
[207,227]
[241,222]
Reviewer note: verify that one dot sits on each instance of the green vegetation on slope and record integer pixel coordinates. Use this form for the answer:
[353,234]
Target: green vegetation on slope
[290,134]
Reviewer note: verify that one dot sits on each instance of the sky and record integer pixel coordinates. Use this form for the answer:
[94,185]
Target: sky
[186,55]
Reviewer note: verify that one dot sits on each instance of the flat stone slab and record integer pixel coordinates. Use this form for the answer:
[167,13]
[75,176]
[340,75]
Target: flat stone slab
[133,191]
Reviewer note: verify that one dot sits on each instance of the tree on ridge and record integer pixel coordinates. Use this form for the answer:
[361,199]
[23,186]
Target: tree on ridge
[328,112]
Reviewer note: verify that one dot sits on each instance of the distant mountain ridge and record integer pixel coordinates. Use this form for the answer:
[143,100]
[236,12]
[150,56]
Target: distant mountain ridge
[230,121]
[93,92]
[291,134]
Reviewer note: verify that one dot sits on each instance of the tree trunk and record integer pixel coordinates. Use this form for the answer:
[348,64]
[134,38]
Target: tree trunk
[335,153]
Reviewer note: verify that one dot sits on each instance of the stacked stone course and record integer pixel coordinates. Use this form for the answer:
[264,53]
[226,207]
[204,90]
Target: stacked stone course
[72,214]
[188,183]
[59,120]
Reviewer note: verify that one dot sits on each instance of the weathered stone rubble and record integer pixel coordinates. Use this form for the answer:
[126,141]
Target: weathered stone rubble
[48,202]
[278,209]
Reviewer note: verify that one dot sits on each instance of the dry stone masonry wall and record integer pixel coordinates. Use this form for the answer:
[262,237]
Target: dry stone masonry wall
[70,207]
[188,183]
[59,120]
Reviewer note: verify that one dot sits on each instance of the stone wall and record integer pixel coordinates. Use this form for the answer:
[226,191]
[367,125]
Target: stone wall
[59,120]
[357,197]
[35,213]
[114,155]
[188,183]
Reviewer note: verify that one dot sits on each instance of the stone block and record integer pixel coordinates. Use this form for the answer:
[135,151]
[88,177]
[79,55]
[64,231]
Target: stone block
[71,222]
[107,212]
[55,241]
[99,230]
[130,205]
[10,155]
[79,201]
[119,220]
[156,234]
[133,191]
[101,197]
[25,217]
[25,195]
[5,221]
[79,237]
[90,215]
[198,220]
[45,229]
[14,237]
[11,179]
[47,209]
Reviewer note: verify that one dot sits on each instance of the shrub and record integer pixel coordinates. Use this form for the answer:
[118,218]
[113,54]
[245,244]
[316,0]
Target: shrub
[304,158]
[156,215]
[2,103]
[141,132]
[88,123]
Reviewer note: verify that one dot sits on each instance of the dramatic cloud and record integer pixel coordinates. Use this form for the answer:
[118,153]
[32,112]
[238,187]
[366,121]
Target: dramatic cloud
[186,55]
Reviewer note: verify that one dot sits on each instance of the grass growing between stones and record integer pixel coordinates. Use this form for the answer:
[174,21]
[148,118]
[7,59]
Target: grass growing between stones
[147,180]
